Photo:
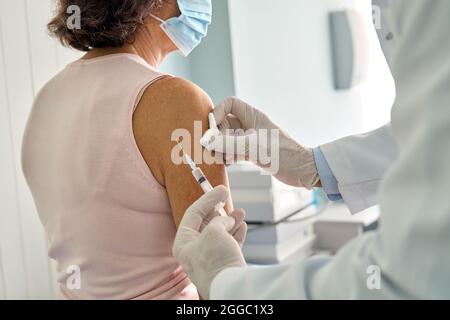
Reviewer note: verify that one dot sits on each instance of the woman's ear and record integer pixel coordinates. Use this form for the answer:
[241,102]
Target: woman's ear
[169,9]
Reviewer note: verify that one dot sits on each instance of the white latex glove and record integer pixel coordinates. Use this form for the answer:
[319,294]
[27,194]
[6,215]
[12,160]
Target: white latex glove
[203,254]
[296,162]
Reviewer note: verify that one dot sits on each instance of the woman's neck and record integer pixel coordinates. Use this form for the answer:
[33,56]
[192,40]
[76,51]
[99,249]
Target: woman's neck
[147,44]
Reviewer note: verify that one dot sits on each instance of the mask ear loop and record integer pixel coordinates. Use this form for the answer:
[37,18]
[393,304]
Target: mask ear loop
[156,18]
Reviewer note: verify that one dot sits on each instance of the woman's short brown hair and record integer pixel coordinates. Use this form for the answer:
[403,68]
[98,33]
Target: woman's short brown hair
[103,23]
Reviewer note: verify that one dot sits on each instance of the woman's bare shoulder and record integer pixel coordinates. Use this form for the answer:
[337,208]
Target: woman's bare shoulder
[177,98]
[167,105]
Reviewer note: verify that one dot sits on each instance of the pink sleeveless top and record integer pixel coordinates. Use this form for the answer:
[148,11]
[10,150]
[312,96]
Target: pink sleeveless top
[103,211]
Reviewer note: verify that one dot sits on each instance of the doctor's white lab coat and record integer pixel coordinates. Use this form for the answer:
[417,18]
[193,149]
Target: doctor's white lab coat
[405,167]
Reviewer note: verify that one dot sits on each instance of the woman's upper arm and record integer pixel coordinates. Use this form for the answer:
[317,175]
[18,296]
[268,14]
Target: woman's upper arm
[169,107]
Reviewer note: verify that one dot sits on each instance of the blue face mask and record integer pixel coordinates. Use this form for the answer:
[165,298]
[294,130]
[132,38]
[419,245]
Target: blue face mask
[189,29]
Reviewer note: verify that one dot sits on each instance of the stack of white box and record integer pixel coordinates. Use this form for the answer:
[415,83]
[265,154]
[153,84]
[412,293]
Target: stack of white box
[278,227]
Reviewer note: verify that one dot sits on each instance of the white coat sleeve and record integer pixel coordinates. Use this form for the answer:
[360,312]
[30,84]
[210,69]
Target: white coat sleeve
[358,163]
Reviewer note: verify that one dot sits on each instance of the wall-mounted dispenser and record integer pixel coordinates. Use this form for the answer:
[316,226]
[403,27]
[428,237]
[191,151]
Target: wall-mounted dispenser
[350,48]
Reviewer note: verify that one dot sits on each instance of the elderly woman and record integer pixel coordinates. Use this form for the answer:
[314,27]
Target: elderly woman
[97,149]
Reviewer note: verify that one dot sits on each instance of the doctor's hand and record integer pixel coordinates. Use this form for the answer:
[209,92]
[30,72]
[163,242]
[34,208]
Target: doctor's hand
[235,132]
[203,254]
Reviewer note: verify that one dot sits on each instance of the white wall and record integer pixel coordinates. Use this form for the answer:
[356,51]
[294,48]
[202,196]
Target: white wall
[211,63]
[28,58]
[282,64]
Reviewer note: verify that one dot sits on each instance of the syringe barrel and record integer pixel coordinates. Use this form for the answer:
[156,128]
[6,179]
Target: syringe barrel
[207,187]
[201,180]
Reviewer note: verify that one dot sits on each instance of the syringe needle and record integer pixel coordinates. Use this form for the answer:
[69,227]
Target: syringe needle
[188,159]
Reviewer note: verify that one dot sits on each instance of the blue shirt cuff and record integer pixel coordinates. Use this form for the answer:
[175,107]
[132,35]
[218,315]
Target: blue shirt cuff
[327,178]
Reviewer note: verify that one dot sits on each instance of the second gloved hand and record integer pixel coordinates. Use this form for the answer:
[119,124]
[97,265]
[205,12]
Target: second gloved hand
[203,254]
[239,124]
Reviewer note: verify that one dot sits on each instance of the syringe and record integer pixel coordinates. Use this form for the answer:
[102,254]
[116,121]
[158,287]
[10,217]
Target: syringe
[200,177]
